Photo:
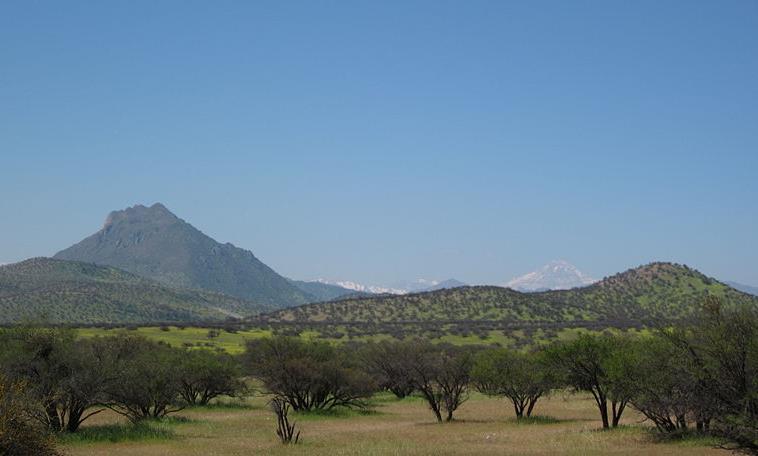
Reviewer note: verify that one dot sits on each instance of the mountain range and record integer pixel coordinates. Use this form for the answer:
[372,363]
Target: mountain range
[651,293]
[146,265]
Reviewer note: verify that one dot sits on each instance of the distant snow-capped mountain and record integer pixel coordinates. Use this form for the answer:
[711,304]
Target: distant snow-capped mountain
[556,275]
[350,285]
[403,287]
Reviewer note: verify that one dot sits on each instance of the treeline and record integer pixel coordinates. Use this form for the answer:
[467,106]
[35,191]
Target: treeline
[51,382]
[699,378]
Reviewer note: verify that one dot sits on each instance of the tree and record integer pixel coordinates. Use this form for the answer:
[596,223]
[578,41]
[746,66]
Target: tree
[148,375]
[721,348]
[595,364]
[522,378]
[386,362]
[65,375]
[308,375]
[204,375]
[441,375]
[662,387]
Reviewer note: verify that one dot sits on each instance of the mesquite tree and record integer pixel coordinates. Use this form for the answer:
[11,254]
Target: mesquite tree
[386,362]
[205,375]
[595,364]
[522,378]
[441,374]
[309,375]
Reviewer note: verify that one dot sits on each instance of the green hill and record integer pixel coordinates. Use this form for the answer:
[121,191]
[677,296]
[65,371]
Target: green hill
[59,291]
[651,293]
[154,243]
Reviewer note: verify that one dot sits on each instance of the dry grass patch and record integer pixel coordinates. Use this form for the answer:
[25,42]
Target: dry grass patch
[566,425]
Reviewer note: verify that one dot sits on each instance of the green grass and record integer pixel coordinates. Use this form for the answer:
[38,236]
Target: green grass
[536,419]
[338,412]
[121,432]
[233,343]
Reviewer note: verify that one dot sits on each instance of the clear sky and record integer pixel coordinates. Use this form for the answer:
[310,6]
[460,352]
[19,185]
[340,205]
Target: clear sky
[378,141]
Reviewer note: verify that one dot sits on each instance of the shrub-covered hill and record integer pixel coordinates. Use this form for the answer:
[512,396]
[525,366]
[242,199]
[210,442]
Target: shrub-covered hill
[655,292]
[59,291]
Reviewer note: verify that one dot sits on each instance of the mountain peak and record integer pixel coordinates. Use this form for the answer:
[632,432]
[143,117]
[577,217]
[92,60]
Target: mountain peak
[555,275]
[139,213]
[154,243]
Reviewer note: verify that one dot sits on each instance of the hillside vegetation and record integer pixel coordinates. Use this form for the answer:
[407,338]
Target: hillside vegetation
[651,293]
[60,291]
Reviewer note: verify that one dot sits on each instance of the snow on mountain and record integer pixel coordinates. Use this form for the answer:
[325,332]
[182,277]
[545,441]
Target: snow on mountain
[446,284]
[556,275]
[400,287]
[414,286]
[350,285]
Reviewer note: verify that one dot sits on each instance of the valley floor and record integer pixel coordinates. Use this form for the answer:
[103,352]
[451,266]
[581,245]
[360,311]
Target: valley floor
[484,426]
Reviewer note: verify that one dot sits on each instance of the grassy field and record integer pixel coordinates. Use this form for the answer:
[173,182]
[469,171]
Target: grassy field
[234,343]
[484,426]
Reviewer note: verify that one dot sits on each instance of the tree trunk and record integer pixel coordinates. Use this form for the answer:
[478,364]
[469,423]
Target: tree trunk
[531,406]
[618,410]
[603,406]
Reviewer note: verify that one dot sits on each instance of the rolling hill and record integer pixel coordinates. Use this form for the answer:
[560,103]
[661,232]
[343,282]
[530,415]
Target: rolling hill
[154,243]
[651,293]
[59,291]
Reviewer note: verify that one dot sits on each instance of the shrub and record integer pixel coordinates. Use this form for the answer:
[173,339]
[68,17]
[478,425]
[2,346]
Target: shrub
[19,435]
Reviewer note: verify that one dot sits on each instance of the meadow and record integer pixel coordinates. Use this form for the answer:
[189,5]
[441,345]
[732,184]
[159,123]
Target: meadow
[565,424]
[234,342]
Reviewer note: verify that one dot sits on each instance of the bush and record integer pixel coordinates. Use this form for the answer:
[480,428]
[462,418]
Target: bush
[65,376]
[19,435]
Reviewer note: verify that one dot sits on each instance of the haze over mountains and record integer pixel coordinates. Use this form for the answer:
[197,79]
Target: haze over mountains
[743,288]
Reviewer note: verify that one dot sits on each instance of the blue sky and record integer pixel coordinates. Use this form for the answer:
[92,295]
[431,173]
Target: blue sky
[378,141]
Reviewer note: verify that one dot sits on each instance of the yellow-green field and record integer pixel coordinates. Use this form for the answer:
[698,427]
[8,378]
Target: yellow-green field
[483,427]
[234,343]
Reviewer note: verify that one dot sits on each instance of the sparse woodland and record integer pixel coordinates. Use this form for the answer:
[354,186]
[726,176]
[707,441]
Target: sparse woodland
[694,378]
